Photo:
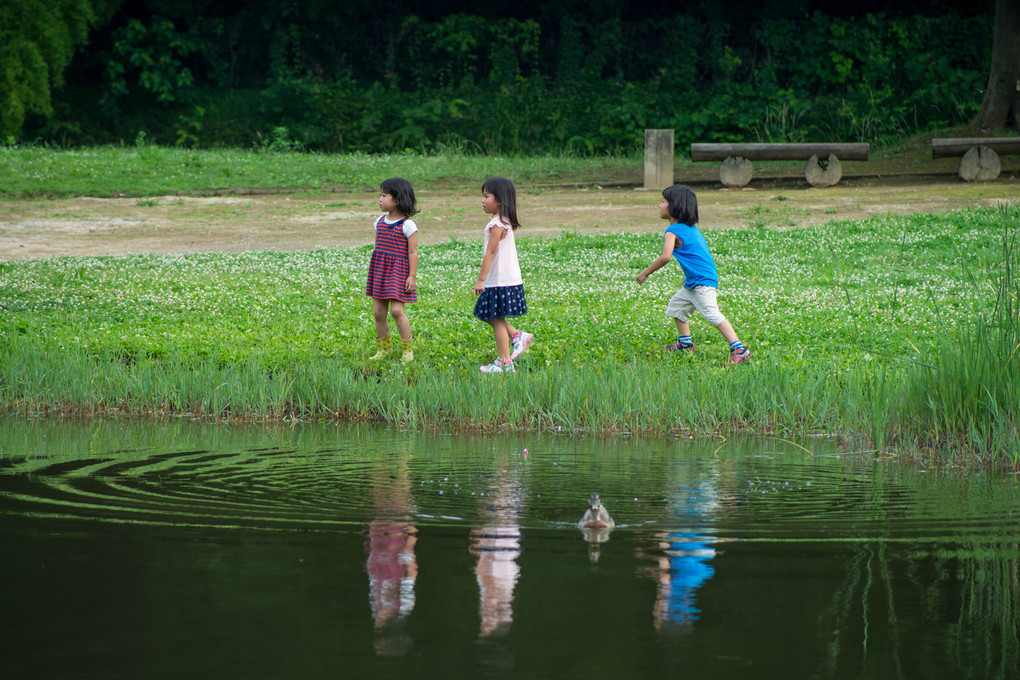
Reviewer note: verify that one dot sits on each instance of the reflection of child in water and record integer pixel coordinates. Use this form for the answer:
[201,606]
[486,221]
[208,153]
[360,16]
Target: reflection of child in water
[392,570]
[391,565]
[497,572]
[498,545]
[683,568]
[682,561]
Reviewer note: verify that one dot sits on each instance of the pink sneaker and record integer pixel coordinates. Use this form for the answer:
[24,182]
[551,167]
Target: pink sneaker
[519,344]
[497,366]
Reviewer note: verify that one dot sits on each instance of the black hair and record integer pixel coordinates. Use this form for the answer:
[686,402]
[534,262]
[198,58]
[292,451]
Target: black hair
[503,190]
[403,195]
[683,204]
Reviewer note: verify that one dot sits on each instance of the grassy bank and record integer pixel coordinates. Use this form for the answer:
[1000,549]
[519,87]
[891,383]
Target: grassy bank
[898,332]
[145,169]
[149,170]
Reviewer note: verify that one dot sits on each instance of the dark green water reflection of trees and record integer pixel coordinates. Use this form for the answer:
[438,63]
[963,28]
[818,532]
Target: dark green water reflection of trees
[191,550]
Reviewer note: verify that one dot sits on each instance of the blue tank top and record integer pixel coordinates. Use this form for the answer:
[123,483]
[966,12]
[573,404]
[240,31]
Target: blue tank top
[693,256]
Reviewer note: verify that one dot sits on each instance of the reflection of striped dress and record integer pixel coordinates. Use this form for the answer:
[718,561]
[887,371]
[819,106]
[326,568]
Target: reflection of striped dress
[389,268]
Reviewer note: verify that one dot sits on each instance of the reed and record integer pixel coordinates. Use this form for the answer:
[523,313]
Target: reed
[963,399]
[637,397]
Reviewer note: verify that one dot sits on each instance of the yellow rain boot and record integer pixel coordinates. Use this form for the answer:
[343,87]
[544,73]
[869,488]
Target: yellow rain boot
[385,347]
[408,354]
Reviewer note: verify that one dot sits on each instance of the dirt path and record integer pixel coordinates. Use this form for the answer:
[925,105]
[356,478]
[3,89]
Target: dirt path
[43,228]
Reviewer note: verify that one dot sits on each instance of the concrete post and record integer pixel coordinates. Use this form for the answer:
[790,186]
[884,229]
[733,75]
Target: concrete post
[658,159]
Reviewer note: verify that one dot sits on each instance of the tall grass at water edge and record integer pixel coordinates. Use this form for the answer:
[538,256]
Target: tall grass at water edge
[859,329]
[615,397]
[965,397]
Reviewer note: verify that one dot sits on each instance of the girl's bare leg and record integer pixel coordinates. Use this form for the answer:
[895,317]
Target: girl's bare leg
[400,318]
[501,329]
[379,310]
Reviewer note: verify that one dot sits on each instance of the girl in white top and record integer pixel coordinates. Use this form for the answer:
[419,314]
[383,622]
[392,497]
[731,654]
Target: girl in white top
[500,288]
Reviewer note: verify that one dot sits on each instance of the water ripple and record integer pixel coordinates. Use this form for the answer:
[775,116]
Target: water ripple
[777,498]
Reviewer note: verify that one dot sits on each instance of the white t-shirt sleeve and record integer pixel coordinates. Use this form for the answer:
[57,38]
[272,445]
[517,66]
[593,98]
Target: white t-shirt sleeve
[408,226]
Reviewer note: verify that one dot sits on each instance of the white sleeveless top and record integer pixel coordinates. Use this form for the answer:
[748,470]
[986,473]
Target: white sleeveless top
[505,270]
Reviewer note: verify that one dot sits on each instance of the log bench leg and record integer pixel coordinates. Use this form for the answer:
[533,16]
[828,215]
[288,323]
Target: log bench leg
[818,176]
[735,171]
[979,164]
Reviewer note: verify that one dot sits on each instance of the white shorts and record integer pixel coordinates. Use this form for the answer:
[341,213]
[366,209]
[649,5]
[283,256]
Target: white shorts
[700,298]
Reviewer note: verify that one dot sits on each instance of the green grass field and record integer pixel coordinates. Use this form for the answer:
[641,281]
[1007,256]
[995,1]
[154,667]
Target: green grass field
[147,170]
[859,329]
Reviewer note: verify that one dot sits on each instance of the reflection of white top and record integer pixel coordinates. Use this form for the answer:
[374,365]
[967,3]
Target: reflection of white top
[409,226]
[505,270]
[497,571]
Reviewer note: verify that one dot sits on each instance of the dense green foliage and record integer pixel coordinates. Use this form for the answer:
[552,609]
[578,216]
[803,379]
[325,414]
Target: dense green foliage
[38,38]
[515,78]
[897,329]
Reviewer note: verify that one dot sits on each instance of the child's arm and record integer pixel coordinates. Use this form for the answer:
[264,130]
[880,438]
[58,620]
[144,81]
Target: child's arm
[671,242]
[412,258]
[495,236]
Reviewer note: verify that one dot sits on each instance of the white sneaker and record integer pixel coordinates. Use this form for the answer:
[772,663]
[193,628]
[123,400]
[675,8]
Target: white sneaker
[497,366]
[520,344]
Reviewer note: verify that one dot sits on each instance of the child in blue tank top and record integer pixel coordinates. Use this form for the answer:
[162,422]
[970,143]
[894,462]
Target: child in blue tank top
[685,243]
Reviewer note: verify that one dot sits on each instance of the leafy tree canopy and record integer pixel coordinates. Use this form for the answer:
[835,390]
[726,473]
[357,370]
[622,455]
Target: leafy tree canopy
[504,74]
[38,38]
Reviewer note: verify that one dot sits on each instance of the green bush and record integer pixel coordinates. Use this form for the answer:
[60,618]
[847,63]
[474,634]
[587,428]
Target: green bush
[510,87]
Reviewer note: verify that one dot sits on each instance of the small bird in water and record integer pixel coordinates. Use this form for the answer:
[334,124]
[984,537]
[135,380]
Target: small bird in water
[596,516]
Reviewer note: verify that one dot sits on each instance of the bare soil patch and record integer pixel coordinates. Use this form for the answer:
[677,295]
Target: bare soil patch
[41,228]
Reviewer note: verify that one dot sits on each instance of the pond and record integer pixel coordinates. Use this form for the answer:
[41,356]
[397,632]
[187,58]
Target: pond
[191,550]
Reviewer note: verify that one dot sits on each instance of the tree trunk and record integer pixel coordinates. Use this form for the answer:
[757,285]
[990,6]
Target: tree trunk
[1001,107]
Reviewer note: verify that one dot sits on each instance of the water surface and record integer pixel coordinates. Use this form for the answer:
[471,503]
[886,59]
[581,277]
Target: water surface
[191,550]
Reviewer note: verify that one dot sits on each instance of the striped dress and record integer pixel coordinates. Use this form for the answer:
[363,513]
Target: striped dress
[389,268]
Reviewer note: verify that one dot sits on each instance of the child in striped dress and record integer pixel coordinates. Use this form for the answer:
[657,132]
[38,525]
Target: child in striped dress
[394,264]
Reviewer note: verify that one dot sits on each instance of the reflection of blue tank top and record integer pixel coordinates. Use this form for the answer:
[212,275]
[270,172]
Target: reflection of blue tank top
[693,256]
[689,568]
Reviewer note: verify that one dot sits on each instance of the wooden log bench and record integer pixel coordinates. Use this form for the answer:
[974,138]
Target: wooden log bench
[979,156]
[736,169]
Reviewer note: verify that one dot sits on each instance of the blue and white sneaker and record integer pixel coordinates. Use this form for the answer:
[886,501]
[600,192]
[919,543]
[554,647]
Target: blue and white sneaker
[520,344]
[497,366]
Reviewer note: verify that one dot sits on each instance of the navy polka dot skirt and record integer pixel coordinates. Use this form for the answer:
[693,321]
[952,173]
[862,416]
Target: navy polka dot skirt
[501,302]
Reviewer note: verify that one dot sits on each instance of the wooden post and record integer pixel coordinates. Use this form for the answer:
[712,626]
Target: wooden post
[658,159]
